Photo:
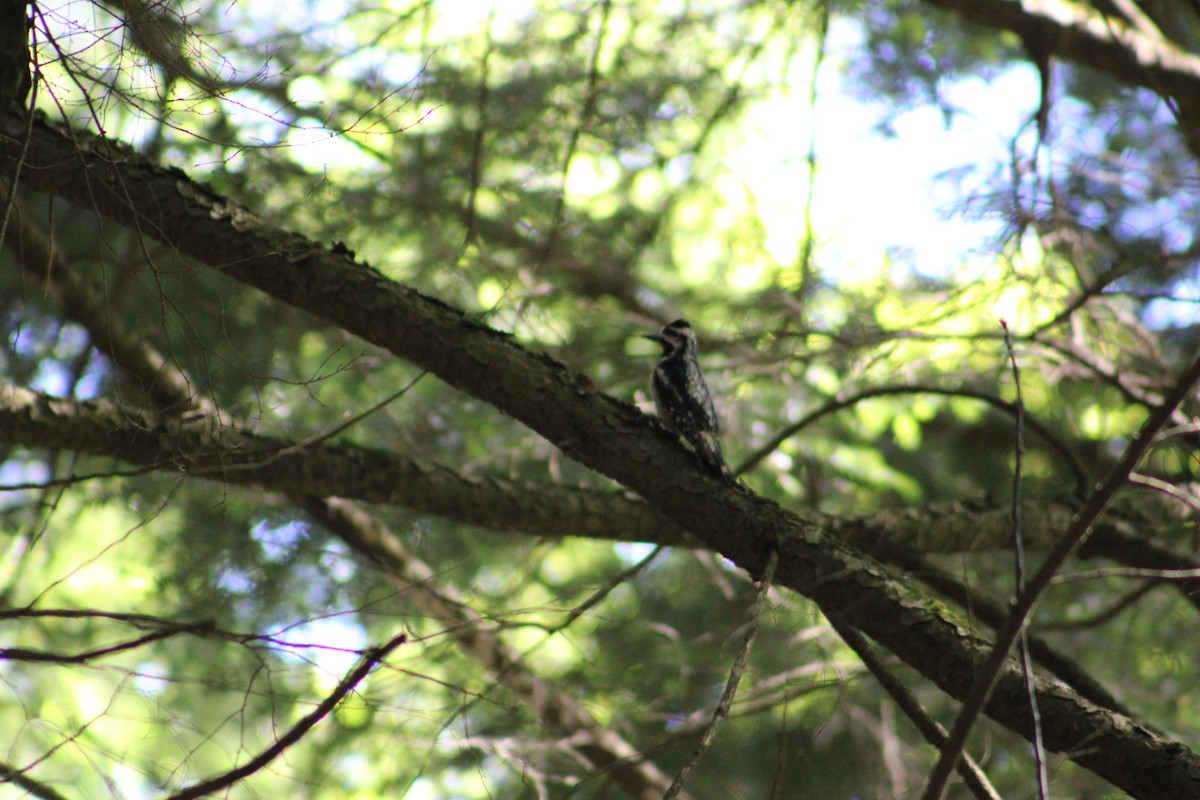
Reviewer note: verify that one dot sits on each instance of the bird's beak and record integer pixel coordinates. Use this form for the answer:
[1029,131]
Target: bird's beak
[654,337]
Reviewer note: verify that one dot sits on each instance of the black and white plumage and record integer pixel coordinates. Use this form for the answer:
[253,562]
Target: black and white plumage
[681,396]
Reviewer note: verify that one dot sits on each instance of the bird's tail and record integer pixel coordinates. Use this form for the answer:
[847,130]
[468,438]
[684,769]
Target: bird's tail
[708,448]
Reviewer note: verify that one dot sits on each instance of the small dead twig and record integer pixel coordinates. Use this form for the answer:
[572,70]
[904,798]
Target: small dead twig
[368,662]
[735,676]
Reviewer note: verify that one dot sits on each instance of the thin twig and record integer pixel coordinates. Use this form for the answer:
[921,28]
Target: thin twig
[977,695]
[1039,750]
[929,727]
[586,114]
[806,253]
[846,401]
[1137,573]
[49,656]
[735,675]
[35,788]
[296,732]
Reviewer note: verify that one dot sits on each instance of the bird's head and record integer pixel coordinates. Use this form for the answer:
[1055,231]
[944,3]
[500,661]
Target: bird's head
[674,337]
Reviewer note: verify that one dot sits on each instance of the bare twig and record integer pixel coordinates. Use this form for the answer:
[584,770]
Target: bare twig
[930,728]
[10,774]
[838,403]
[586,114]
[735,676]
[49,656]
[981,687]
[1039,750]
[296,732]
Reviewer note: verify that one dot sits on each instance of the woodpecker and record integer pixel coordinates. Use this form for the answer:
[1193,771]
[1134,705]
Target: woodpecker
[681,396]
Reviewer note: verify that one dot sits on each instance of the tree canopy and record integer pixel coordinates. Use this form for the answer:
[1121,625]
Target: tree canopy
[328,465]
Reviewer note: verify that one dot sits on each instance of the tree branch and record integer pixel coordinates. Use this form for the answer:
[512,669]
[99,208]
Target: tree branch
[1081,525]
[1078,32]
[603,747]
[232,454]
[605,434]
[363,532]
[294,734]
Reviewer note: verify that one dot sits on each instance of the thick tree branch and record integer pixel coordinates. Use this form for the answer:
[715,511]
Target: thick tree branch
[171,388]
[896,538]
[234,455]
[1079,33]
[603,747]
[10,774]
[608,435]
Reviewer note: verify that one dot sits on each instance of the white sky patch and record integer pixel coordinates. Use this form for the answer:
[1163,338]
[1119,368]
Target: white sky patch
[878,198]
[632,552]
[332,644]
[877,194]
[1183,310]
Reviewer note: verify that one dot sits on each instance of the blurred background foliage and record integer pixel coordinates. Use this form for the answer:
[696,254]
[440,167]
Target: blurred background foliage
[577,174]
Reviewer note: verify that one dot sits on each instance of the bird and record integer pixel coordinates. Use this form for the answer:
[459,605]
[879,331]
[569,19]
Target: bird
[682,399]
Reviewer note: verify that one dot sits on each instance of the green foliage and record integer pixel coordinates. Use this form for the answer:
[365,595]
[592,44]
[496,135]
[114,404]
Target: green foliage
[573,174]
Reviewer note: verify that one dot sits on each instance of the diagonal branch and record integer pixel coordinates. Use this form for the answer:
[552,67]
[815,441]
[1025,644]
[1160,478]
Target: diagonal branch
[604,748]
[418,482]
[1082,524]
[930,728]
[605,434]
[35,788]
[294,734]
